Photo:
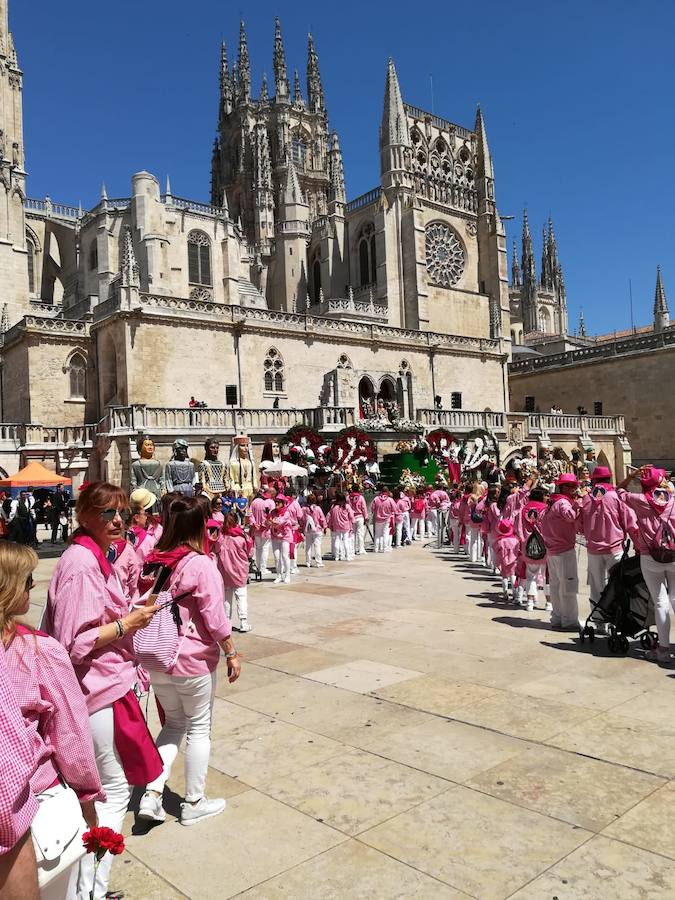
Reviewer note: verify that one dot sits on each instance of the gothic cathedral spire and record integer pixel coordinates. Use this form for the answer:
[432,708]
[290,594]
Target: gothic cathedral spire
[315,95]
[516,280]
[281,85]
[226,86]
[337,173]
[394,134]
[661,313]
[529,302]
[243,68]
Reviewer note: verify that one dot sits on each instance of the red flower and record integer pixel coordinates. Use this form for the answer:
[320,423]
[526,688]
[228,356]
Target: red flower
[103,840]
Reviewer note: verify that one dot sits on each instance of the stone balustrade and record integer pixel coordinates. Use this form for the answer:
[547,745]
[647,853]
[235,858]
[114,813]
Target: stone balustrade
[536,424]
[365,199]
[461,419]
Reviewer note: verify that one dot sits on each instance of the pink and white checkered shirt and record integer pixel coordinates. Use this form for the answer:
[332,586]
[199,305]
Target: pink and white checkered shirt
[55,715]
[79,601]
[18,806]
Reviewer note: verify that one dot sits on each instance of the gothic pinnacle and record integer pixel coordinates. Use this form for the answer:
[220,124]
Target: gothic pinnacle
[661,312]
[264,96]
[243,67]
[281,85]
[297,90]
[485,168]
[394,122]
[314,86]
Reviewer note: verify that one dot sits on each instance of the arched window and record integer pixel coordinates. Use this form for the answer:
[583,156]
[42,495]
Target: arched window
[77,371]
[93,256]
[316,277]
[298,152]
[199,258]
[30,247]
[367,256]
[344,362]
[273,368]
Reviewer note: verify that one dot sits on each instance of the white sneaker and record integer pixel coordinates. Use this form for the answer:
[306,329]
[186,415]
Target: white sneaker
[320,566]
[530,605]
[244,626]
[191,813]
[287,580]
[151,808]
[549,607]
[277,581]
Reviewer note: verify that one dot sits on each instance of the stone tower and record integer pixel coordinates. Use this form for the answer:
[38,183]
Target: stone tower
[257,136]
[661,313]
[543,300]
[16,255]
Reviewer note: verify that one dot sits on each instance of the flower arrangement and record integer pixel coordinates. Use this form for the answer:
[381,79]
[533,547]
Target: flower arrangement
[412,480]
[301,440]
[398,425]
[352,446]
[405,446]
[102,840]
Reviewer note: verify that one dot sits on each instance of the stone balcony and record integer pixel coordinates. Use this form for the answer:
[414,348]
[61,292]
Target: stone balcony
[359,304]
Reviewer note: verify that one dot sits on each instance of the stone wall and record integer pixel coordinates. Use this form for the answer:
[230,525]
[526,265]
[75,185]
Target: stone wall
[637,386]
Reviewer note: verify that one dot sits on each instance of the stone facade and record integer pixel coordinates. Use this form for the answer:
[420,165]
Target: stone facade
[309,306]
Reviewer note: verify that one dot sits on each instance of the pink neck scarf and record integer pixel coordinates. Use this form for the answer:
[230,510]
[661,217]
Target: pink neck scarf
[84,540]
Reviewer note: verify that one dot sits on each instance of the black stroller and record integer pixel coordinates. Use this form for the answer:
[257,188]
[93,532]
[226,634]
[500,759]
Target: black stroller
[624,607]
[253,571]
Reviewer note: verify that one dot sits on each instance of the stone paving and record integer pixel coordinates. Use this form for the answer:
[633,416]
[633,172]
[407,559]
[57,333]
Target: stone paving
[399,732]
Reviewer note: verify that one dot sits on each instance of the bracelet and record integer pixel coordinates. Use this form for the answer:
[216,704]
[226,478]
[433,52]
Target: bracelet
[231,655]
[120,628]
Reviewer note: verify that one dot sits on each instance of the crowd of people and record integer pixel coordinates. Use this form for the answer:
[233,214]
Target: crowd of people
[530,533]
[144,597]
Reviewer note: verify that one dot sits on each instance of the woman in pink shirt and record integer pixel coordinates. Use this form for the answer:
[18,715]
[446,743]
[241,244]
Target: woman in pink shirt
[418,514]
[384,511]
[53,708]
[313,524]
[558,527]
[401,517]
[654,509]
[340,520]
[233,564]
[358,504]
[145,527]
[527,520]
[186,692]
[128,567]
[88,613]
[282,527]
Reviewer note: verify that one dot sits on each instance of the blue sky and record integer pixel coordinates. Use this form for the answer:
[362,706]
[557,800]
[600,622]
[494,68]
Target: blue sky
[578,100]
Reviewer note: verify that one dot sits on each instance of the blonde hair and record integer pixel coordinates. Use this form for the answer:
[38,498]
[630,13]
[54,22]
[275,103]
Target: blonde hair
[17,563]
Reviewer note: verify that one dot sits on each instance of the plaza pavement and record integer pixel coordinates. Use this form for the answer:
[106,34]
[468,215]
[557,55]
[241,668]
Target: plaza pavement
[397,733]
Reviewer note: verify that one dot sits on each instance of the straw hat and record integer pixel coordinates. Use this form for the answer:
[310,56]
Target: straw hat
[143,497]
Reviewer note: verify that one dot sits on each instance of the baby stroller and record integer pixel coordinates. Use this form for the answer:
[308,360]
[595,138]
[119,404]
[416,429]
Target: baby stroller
[624,607]
[253,571]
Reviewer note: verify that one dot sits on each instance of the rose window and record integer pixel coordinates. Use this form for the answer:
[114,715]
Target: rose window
[444,255]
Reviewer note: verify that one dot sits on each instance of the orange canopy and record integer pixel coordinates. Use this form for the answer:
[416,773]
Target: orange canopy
[34,475]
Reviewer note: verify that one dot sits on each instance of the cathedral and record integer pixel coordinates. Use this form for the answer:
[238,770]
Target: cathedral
[279,293]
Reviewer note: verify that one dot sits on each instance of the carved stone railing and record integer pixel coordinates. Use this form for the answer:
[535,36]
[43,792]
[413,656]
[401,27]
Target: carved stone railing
[78,310]
[174,419]
[362,306]
[461,419]
[46,325]
[10,433]
[443,124]
[193,205]
[52,210]
[58,437]
[554,423]
[106,308]
[364,200]
[40,308]
[636,343]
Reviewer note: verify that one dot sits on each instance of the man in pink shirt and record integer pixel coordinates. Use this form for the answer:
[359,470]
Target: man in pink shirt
[384,512]
[259,511]
[558,528]
[605,521]
[18,806]
[294,511]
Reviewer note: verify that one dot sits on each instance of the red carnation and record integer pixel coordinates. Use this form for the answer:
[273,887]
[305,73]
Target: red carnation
[103,840]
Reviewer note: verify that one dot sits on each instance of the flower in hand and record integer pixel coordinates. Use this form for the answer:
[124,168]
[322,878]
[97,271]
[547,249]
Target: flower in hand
[102,840]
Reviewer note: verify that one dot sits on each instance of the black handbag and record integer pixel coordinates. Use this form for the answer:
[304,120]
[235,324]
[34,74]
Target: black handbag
[664,552]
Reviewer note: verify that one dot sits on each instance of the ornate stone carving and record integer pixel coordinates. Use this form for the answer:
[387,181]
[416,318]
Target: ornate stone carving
[201,294]
[445,257]
[471,228]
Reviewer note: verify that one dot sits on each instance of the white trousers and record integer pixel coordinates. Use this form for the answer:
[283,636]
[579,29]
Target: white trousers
[490,562]
[313,548]
[535,573]
[187,703]
[112,812]
[599,565]
[381,530]
[456,531]
[660,580]
[564,579]
[262,551]
[407,536]
[418,528]
[398,533]
[474,543]
[432,522]
[359,535]
[340,546]
[238,595]
[282,558]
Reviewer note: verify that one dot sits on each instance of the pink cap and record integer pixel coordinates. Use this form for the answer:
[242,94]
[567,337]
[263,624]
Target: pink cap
[567,478]
[213,523]
[651,478]
[601,473]
[505,528]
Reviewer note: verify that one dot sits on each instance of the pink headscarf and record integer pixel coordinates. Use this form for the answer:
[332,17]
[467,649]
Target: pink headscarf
[650,479]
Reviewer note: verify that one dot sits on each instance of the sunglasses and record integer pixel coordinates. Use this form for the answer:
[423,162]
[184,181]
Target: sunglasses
[30,584]
[109,514]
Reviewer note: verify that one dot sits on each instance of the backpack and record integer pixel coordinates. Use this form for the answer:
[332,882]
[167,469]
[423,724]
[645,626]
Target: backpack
[476,516]
[664,549]
[158,645]
[534,546]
